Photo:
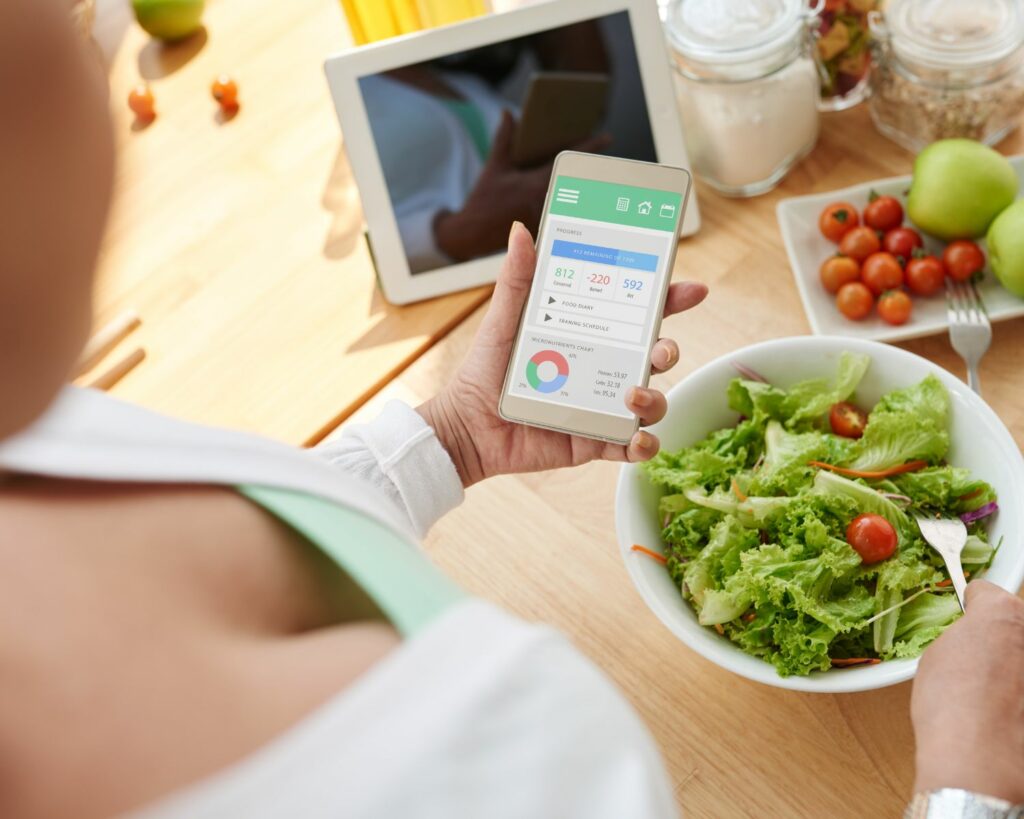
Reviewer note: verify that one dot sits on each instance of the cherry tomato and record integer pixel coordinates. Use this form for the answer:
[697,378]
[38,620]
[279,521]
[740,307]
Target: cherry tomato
[872,537]
[847,420]
[837,271]
[225,91]
[901,242]
[855,300]
[925,275]
[837,220]
[141,101]
[895,307]
[883,213]
[860,243]
[963,259]
[881,272]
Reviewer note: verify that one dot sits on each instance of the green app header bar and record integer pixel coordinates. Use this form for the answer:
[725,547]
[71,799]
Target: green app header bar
[616,204]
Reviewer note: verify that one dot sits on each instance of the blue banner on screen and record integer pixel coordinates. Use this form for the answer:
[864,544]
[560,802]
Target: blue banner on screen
[604,255]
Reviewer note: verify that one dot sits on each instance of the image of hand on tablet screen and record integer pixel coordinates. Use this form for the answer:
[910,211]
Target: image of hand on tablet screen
[466,142]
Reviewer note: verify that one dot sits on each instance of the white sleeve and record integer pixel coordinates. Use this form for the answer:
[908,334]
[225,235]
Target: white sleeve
[400,455]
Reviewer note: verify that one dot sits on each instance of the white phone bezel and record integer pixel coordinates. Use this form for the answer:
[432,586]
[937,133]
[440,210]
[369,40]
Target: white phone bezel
[573,420]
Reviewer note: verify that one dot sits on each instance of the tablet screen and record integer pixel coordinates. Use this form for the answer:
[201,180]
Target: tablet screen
[466,142]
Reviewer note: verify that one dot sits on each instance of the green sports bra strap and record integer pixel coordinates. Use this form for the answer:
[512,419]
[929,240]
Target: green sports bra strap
[398,577]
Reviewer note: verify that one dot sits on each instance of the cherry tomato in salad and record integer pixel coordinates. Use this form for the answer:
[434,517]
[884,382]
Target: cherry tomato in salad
[142,102]
[881,272]
[901,242]
[855,300]
[925,275]
[883,213]
[225,91]
[837,220]
[847,420]
[872,537]
[895,307]
[860,243]
[837,271]
[963,259]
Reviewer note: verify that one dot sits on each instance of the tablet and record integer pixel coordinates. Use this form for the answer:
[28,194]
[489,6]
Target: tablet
[449,142]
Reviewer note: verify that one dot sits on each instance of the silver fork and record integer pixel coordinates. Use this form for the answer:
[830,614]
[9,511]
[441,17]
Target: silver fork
[948,536]
[969,329]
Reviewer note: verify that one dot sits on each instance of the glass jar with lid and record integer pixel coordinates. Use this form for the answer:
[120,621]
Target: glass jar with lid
[947,68]
[748,88]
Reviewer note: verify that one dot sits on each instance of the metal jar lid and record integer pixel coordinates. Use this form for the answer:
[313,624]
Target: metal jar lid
[953,34]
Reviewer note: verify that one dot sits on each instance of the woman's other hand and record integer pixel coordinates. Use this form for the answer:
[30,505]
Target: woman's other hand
[968,703]
[504,193]
[465,413]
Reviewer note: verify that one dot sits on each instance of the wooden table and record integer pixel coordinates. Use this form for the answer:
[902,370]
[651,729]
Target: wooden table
[544,547]
[240,242]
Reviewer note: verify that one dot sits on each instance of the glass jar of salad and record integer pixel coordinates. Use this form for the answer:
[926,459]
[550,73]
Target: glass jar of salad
[947,68]
[844,52]
[748,88]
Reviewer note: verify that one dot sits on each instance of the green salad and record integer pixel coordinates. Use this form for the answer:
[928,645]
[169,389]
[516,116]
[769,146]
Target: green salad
[793,533]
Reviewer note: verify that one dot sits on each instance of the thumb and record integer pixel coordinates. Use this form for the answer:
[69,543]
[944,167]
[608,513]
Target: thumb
[501,146]
[981,591]
[512,288]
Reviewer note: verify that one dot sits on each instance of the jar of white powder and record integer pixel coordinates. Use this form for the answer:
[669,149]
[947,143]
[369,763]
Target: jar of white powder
[748,88]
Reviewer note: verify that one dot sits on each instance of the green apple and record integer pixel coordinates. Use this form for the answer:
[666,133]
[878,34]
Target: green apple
[1006,248]
[169,19]
[959,187]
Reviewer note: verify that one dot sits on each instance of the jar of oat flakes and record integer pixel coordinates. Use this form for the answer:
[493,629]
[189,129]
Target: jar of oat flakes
[947,68]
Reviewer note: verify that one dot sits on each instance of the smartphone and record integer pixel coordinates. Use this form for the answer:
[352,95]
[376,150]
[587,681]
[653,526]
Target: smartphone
[562,108]
[605,250]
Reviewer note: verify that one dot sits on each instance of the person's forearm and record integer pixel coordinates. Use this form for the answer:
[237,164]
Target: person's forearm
[454,437]
[404,460]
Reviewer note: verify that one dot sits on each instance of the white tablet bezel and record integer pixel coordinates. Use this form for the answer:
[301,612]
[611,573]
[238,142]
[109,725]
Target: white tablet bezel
[344,70]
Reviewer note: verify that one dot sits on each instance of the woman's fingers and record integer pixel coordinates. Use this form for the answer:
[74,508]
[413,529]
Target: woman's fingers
[642,447]
[665,355]
[649,405]
[684,296]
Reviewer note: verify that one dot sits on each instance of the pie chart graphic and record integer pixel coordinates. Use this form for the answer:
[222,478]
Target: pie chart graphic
[556,382]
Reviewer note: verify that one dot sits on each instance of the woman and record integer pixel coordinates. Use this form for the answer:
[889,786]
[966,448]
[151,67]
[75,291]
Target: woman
[198,623]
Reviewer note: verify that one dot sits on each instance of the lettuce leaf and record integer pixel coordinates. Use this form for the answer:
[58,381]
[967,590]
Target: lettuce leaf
[921,621]
[803,403]
[866,500]
[906,425]
[940,489]
[719,559]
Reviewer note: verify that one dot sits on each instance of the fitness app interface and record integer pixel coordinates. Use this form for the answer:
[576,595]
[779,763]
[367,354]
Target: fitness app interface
[591,314]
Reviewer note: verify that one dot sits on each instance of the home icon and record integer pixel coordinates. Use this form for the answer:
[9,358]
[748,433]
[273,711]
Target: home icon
[644,208]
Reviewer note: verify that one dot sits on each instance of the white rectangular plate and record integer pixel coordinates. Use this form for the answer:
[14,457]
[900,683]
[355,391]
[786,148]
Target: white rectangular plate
[807,249]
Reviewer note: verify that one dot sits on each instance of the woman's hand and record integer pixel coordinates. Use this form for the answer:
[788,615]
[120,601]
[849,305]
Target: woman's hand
[968,703]
[465,413]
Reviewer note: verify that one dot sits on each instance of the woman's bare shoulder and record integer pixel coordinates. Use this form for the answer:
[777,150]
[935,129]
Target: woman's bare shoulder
[150,635]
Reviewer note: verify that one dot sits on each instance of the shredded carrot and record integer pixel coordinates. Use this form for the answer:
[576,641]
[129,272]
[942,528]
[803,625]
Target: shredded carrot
[913,466]
[737,491]
[719,629]
[844,662]
[948,581]
[749,617]
[971,495]
[650,553]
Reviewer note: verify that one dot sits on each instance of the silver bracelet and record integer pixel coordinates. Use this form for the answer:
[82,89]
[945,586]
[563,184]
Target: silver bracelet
[953,803]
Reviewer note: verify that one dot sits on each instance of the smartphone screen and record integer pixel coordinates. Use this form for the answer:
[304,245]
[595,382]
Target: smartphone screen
[604,256]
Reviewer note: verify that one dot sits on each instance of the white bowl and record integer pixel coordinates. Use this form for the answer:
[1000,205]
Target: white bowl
[698,405]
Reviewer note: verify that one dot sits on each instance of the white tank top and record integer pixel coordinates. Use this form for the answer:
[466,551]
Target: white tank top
[476,714]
